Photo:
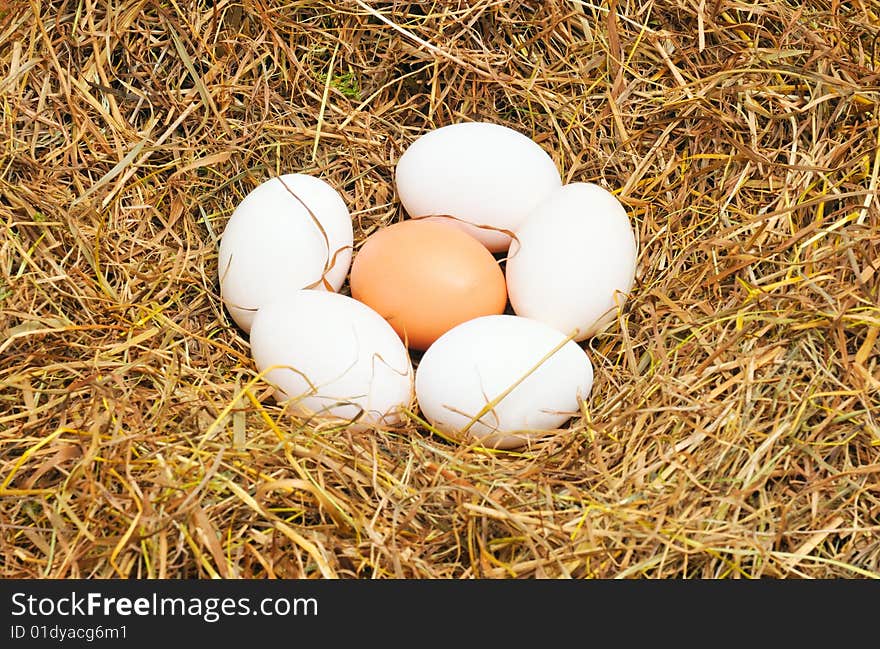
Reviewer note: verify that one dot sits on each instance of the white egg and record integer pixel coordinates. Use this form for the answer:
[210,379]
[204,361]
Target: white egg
[333,358]
[290,232]
[573,262]
[501,380]
[487,176]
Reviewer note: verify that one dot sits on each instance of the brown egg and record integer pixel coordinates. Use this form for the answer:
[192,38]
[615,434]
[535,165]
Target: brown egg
[425,277]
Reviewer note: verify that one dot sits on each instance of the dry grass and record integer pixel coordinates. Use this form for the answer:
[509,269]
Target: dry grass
[734,426]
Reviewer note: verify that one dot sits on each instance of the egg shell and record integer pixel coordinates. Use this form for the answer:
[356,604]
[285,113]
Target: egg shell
[333,358]
[426,277]
[573,262]
[479,173]
[538,377]
[290,232]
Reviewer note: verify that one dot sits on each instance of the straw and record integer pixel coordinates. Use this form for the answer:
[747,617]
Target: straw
[732,429]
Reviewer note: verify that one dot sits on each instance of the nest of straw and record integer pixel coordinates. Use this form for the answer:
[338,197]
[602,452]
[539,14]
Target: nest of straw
[733,429]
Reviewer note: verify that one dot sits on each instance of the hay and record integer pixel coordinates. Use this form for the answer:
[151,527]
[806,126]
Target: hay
[733,427]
